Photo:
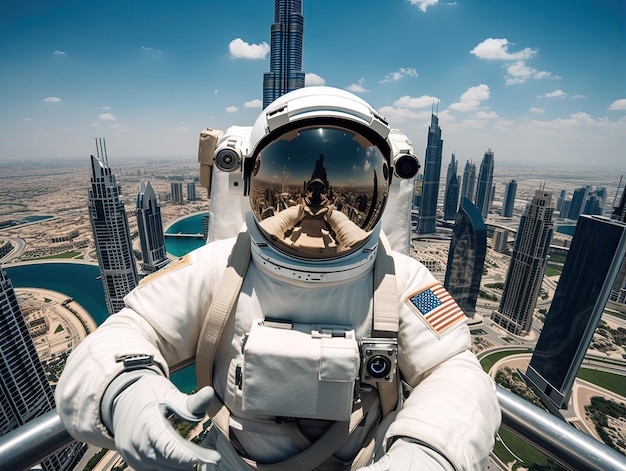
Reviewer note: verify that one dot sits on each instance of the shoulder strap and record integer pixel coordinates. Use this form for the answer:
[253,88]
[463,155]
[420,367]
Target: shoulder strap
[222,306]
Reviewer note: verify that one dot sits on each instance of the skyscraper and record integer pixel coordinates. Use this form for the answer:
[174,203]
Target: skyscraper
[618,293]
[527,266]
[177,192]
[451,195]
[286,35]
[24,389]
[578,201]
[509,199]
[432,173]
[111,234]
[590,269]
[466,257]
[191,191]
[150,228]
[485,182]
[468,185]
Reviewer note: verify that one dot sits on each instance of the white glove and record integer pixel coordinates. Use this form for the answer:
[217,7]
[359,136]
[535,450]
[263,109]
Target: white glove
[143,435]
[405,455]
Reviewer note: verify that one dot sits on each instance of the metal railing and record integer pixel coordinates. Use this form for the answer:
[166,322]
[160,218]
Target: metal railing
[28,445]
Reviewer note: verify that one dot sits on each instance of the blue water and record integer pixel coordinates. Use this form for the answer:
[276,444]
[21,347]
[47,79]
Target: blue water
[79,281]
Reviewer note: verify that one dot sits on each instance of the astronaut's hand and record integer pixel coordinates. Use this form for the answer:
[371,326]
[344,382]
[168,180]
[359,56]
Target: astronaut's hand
[143,435]
[406,455]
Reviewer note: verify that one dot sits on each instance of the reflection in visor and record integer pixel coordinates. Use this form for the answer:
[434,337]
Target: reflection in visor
[319,193]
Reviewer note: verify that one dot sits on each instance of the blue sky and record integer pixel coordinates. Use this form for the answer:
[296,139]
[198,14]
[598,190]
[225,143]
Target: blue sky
[539,82]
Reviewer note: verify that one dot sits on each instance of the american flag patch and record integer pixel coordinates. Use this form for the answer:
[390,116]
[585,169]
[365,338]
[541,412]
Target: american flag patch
[436,307]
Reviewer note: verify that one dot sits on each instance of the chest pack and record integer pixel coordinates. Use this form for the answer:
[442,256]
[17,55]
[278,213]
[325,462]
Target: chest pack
[374,367]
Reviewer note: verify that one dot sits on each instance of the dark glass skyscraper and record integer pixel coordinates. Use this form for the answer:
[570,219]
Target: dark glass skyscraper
[111,234]
[590,269]
[527,266]
[485,183]
[150,228]
[24,389]
[451,195]
[578,202]
[286,35]
[468,185]
[509,199]
[432,174]
[466,257]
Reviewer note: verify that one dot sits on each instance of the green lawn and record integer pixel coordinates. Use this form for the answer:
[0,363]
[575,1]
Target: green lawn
[70,254]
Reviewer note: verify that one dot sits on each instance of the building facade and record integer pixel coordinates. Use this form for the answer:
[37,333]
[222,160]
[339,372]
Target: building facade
[466,257]
[578,203]
[150,228]
[111,234]
[510,192]
[485,184]
[25,392]
[432,174]
[451,195]
[589,272]
[177,192]
[191,191]
[527,266]
[468,184]
[286,36]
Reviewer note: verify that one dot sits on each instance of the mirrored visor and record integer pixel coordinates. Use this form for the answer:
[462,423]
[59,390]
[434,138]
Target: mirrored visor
[318,193]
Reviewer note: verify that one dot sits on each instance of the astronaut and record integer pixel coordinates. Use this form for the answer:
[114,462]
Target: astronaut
[314,348]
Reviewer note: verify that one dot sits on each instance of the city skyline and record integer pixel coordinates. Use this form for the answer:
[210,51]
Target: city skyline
[535,81]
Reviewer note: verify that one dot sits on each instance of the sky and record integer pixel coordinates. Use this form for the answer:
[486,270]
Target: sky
[540,83]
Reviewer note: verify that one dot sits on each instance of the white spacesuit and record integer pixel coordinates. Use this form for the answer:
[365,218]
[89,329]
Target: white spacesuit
[329,351]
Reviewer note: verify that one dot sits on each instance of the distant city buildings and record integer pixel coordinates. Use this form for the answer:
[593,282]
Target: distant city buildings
[191,191]
[527,266]
[111,234]
[177,192]
[592,265]
[286,36]
[510,192]
[150,228]
[430,185]
[451,195]
[578,201]
[466,257]
[468,184]
[485,184]
[500,240]
[25,392]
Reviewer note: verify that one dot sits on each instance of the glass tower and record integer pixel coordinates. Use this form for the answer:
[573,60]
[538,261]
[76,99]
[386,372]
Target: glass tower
[509,199]
[485,184]
[286,35]
[111,234]
[150,228]
[578,201]
[432,173]
[466,257]
[468,184]
[528,264]
[590,269]
[451,198]
[24,389]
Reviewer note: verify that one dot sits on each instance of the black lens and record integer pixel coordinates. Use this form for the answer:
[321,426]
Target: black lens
[406,166]
[378,366]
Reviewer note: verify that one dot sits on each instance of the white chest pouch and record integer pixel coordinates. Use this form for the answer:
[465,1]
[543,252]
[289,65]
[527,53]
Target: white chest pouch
[299,370]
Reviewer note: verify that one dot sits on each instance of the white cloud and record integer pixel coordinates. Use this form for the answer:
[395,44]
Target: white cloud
[253,104]
[423,4]
[52,99]
[58,53]
[239,49]
[398,74]
[472,98]
[519,72]
[486,115]
[421,102]
[231,109]
[534,109]
[116,126]
[577,97]
[151,52]
[555,94]
[358,86]
[397,114]
[498,49]
[96,125]
[618,105]
[107,117]
[311,79]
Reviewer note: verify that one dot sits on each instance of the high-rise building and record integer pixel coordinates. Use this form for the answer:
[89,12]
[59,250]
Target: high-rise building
[150,228]
[466,257]
[565,205]
[559,200]
[24,389]
[191,191]
[590,269]
[618,292]
[485,183]
[527,266]
[578,201]
[177,192]
[111,234]
[500,240]
[286,35]
[468,185]
[509,199]
[451,195]
[432,174]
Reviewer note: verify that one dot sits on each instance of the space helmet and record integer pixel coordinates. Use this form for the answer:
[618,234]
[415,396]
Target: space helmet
[318,172]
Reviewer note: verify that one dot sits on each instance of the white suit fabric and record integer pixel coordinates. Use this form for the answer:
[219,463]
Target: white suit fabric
[452,408]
